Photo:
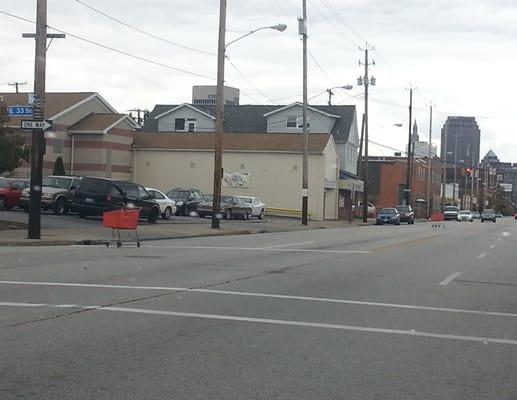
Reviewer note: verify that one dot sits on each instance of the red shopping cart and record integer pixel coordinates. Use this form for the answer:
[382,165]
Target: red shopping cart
[437,220]
[123,219]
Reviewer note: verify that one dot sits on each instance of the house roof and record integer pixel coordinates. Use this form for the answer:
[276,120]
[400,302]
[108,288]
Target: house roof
[99,122]
[184,105]
[54,104]
[250,118]
[276,142]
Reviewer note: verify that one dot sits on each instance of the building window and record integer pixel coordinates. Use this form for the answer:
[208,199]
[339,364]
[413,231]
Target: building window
[179,124]
[191,126]
[300,121]
[58,146]
[291,121]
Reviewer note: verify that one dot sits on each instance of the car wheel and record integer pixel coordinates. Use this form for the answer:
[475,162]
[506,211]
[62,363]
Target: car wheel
[167,214]
[82,215]
[201,215]
[185,211]
[2,203]
[153,216]
[60,207]
[226,214]
[26,209]
[261,215]
[247,216]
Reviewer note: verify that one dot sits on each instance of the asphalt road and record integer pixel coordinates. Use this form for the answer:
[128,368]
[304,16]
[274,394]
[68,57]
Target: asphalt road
[378,312]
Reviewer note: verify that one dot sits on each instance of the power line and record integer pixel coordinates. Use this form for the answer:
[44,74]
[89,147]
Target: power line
[248,81]
[127,25]
[334,25]
[338,16]
[104,46]
[321,68]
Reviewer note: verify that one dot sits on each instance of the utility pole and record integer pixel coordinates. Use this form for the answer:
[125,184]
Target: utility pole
[361,141]
[365,80]
[219,122]
[331,93]
[38,136]
[430,161]
[16,85]
[140,115]
[455,169]
[302,30]
[444,169]
[409,150]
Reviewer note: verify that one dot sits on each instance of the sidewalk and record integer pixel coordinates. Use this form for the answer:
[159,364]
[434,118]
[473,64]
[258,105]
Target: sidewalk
[15,234]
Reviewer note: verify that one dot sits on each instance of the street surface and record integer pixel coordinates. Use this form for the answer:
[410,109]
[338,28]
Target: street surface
[373,312]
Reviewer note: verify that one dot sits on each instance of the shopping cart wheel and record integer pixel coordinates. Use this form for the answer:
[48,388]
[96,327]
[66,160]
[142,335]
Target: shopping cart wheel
[119,244]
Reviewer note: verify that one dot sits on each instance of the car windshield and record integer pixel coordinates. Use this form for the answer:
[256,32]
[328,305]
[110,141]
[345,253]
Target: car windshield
[403,208]
[178,194]
[388,211]
[56,182]
[228,199]
[451,208]
[489,211]
[465,212]
[248,200]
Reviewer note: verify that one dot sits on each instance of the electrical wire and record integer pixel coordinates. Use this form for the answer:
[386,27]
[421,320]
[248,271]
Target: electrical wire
[106,47]
[151,35]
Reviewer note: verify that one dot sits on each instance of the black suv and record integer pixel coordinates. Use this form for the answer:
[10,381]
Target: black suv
[93,196]
[186,200]
[406,214]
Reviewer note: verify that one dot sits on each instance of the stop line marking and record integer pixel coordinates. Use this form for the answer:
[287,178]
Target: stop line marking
[281,322]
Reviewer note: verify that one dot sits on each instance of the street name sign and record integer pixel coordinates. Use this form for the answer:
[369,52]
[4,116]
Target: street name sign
[19,111]
[36,125]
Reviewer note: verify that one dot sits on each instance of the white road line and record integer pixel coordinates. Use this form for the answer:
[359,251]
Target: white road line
[449,279]
[506,233]
[492,246]
[482,255]
[285,245]
[353,328]
[499,240]
[270,296]
[260,249]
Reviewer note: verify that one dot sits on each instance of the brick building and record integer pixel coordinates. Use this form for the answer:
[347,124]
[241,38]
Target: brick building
[387,181]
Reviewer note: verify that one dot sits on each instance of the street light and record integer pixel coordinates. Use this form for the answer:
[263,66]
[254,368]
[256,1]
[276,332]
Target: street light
[331,93]
[219,127]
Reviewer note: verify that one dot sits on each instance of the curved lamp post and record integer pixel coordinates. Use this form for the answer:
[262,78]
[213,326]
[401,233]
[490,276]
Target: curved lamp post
[219,127]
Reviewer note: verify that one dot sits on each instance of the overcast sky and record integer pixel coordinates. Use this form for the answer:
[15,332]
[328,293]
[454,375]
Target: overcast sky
[459,54]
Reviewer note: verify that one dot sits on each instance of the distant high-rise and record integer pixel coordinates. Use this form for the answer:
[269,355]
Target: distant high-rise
[206,95]
[460,141]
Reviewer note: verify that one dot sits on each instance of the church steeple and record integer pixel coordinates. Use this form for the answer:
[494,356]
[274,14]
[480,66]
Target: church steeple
[414,136]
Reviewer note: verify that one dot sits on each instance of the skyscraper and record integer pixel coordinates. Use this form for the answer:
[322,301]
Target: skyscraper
[460,141]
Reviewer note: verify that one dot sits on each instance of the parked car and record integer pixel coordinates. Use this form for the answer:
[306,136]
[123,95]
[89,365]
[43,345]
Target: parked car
[450,213]
[406,214]
[258,207]
[488,215]
[476,215]
[388,216]
[167,206]
[465,215]
[186,200]
[358,209]
[10,192]
[57,194]
[205,208]
[93,196]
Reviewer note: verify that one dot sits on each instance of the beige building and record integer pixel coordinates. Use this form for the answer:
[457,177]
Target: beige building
[268,166]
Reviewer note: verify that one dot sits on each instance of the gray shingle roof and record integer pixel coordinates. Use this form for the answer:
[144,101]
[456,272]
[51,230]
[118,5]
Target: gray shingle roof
[250,118]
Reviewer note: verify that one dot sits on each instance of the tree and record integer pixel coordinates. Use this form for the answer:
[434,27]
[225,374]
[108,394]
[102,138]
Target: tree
[12,148]
[59,167]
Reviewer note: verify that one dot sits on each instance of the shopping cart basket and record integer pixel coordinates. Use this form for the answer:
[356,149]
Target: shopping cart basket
[123,219]
[437,220]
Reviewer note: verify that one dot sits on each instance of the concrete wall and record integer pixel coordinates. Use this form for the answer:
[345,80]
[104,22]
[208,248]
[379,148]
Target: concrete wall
[319,123]
[203,123]
[276,178]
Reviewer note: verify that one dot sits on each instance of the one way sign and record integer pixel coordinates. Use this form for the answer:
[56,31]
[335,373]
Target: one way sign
[36,125]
